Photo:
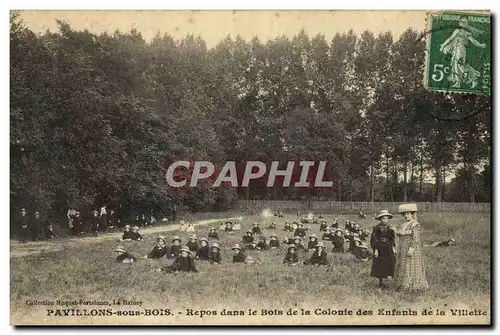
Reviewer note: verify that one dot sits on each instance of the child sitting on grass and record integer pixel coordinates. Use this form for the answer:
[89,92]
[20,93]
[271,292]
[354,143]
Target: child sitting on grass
[229,227]
[135,235]
[212,233]
[222,226]
[182,263]
[175,247]
[190,228]
[159,250]
[238,255]
[327,236]
[247,238]
[262,245]
[203,251]
[50,233]
[193,244]
[319,256]
[291,257]
[362,252]
[338,241]
[300,231]
[237,226]
[127,234]
[287,227]
[272,225]
[124,256]
[297,241]
[215,256]
[274,242]
[256,229]
[313,241]
[323,225]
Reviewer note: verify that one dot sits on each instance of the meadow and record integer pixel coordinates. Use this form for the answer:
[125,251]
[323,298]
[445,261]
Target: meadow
[459,278]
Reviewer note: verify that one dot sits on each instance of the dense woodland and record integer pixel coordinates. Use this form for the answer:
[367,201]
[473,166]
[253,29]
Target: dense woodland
[98,119]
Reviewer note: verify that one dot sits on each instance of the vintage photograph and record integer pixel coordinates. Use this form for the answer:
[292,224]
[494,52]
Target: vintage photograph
[250,167]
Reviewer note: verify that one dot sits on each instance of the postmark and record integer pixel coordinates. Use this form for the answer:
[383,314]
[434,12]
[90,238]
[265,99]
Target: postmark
[458,57]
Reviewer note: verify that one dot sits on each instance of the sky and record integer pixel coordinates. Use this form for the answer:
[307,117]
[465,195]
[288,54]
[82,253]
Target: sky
[214,26]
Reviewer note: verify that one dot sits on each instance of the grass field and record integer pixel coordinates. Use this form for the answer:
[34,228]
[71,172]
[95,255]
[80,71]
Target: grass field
[459,278]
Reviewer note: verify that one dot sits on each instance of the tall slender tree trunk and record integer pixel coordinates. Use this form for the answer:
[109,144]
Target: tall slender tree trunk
[388,180]
[412,181]
[405,181]
[438,184]
[372,181]
[421,175]
[444,183]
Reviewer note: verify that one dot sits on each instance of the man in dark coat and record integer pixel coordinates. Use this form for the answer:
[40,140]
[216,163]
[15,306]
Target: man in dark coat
[36,226]
[23,226]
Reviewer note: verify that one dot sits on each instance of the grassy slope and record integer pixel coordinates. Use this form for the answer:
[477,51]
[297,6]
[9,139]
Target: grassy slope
[458,276]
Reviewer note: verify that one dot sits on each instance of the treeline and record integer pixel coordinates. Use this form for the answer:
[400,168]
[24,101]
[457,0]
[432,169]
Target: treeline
[98,119]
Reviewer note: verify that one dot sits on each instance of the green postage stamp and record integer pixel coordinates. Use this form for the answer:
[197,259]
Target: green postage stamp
[458,52]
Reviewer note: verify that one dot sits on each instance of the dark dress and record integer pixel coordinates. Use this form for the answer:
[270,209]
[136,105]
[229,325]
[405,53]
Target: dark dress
[383,240]
[127,235]
[184,264]
[158,252]
[203,253]
[338,243]
[274,243]
[312,244]
[174,251]
[288,228]
[239,258]
[215,258]
[247,239]
[77,225]
[291,258]
[23,228]
[193,246]
[300,232]
[318,259]
[256,231]
[135,236]
[323,226]
[213,235]
[262,245]
[327,237]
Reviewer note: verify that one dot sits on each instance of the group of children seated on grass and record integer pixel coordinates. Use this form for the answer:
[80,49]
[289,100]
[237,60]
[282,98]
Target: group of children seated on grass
[185,254]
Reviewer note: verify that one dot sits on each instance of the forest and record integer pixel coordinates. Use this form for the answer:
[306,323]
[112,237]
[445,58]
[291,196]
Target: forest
[97,119]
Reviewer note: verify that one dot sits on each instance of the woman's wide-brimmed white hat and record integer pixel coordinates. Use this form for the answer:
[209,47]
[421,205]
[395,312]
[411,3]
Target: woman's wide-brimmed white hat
[405,208]
[383,212]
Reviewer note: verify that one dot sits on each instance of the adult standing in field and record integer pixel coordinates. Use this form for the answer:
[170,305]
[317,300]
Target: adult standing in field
[23,226]
[383,243]
[410,270]
[71,215]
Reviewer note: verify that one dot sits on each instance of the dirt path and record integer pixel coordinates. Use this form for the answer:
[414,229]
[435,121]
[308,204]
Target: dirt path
[34,248]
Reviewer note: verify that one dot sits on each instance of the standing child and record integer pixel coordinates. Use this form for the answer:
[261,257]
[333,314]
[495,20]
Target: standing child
[212,233]
[94,223]
[193,244]
[124,256]
[291,257]
[338,241]
[274,242]
[159,250]
[203,251]
[383,243]
[175,247]
[319,256]
[313,241]
[409,272]
[215,256]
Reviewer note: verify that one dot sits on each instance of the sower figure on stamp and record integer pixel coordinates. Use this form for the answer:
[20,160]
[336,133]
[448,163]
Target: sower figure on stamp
[383,243]
[409,272]
[456,46]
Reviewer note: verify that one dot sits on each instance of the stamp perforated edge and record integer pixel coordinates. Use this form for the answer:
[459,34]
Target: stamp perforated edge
[428,33]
